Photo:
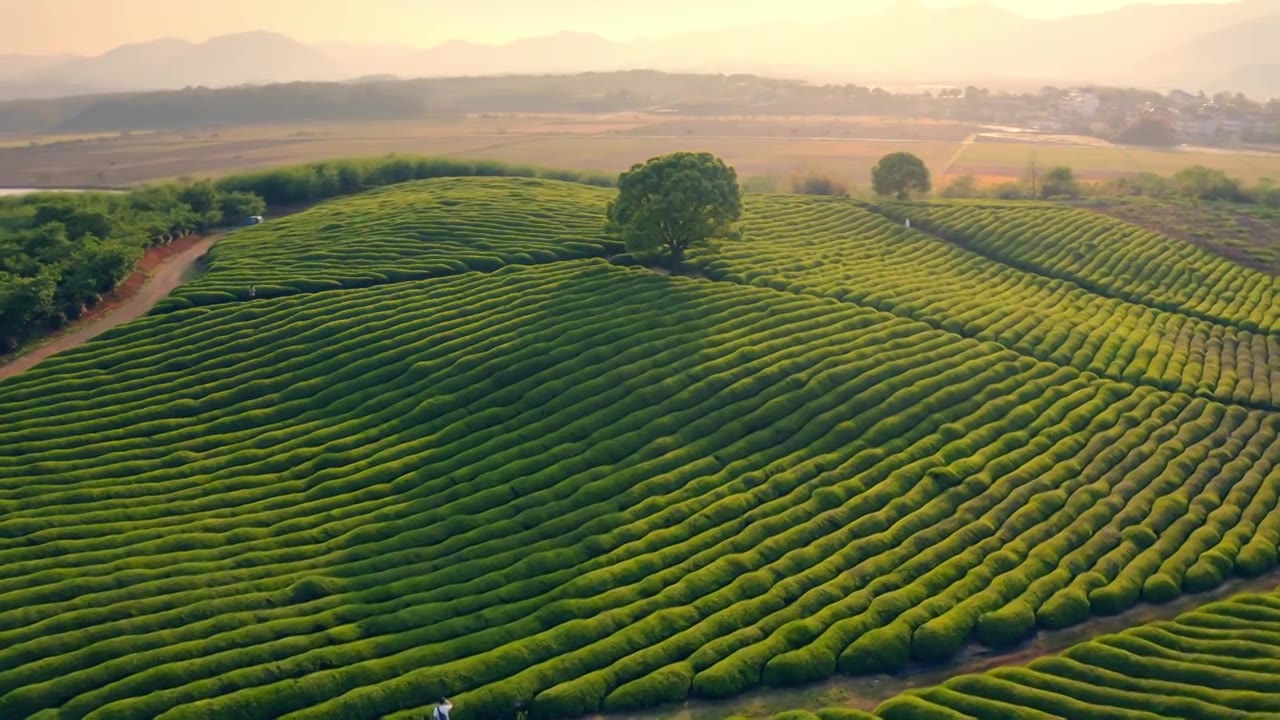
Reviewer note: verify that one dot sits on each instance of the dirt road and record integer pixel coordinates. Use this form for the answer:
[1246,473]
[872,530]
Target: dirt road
[163,279]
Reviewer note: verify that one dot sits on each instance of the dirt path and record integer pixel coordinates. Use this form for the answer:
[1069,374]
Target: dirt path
[964,145]
[163,278]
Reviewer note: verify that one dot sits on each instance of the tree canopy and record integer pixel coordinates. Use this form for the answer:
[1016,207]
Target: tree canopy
[900,174]
[1059,181]
[1205,183]
[674,202]
[59,252]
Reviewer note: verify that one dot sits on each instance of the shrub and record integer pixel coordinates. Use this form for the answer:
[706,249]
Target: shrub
[670,684]
[843,714]
[884,649]
[815,184]
[1008,626]
[1160,588]
[796,715]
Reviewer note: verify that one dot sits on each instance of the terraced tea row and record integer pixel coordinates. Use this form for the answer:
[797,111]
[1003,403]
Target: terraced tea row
[408,231]
[838,249]
[1108,256]
[445,226]
[1219,661]
[576,484]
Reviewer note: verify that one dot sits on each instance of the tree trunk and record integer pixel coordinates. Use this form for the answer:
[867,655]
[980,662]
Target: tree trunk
[677,254]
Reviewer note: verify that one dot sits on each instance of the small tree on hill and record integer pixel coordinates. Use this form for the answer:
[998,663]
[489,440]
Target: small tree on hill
[900,174]
[675,202]
[1059,181]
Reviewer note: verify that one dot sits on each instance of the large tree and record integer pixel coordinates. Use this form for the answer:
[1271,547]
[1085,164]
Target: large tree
[675,202]
[900,174]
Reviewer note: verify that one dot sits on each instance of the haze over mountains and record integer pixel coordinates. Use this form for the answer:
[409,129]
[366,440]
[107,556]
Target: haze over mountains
[1210,47]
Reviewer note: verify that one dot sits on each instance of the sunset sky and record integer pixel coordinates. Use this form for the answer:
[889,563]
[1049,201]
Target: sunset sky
[94,26]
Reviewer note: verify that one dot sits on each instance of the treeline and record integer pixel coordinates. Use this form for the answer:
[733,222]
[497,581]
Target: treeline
[1193,183]
[293,102]
[317,181]
[629,91]
[60,252]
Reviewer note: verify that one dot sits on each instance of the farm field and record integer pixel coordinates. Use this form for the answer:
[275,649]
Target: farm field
[454,445]
[774,147]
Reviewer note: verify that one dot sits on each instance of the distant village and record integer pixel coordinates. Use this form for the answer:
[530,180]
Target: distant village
[1140,117]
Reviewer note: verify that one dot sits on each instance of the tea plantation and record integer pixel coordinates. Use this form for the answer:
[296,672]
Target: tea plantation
[451,449]
[1218,661]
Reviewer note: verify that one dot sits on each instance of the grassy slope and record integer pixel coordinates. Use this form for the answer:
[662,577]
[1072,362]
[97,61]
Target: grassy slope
[583,483]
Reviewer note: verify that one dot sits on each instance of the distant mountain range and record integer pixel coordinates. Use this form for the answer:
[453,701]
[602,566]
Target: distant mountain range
[1196,47]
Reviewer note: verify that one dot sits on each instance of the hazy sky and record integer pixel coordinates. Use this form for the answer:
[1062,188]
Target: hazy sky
[93,26]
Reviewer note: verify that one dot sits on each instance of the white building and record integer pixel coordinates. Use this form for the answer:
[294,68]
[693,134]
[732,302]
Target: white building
[1082,105]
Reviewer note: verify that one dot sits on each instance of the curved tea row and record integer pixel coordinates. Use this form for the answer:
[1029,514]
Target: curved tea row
[839,249]
[576,484]
[1218,661]
[408,231]
[1108,256]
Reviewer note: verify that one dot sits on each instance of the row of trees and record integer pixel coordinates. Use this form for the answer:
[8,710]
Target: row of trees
[1193,183]
[902,174]
[60,252]
[317,181]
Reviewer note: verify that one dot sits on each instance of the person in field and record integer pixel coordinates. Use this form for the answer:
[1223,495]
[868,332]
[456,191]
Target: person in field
[442,710]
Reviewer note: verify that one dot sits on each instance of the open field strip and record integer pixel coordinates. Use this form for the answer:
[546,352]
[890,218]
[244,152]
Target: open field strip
[1009,160]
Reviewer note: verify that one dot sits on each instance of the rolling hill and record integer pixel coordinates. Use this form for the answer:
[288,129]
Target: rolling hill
[458,444]
[245,58]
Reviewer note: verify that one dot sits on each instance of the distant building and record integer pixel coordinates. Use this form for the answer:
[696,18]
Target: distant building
[1160,114]
[1197,125]
[1080,105]
[1231,125]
